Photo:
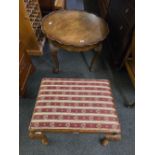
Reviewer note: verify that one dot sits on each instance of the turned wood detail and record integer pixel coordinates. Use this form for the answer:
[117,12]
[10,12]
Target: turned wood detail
[39,135]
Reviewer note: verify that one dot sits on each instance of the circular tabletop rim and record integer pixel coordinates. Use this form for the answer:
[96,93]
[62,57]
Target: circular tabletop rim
[69,44]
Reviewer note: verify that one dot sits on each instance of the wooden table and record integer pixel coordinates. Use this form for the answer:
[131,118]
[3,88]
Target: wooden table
[74,31]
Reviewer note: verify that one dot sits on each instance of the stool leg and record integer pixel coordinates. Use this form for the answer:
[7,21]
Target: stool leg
[110,137]
[104,142]
[39,136]
[54,58]
[97,50]
[44,140]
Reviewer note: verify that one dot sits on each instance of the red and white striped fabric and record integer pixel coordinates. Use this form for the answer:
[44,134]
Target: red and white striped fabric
[75,104]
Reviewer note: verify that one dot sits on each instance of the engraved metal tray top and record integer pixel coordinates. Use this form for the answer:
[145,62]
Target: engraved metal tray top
[76,28]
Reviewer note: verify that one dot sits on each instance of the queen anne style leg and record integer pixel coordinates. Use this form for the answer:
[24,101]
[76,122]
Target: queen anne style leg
[39,135]
[54,58]
[97,50]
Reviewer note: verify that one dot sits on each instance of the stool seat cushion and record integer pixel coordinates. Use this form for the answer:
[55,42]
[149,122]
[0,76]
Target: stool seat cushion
[84,105]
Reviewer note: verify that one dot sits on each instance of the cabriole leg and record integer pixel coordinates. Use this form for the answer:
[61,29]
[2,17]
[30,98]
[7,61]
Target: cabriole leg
[54,58]
[38,135]
[97,50]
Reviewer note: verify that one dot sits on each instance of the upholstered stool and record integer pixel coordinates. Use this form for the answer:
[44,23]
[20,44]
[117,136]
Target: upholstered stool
[75,105]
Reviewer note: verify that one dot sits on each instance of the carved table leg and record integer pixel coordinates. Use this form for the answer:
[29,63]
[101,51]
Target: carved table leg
[97,50]
[110,137]
[40,136]
[54,58]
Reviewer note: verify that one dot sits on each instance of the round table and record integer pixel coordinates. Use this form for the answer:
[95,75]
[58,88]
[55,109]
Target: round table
[74,31]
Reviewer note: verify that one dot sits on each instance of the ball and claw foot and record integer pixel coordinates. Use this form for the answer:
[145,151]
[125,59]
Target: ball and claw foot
[104,142]
[39,136]
[44,141]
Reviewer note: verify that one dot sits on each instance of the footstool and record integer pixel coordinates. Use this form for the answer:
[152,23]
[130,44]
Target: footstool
[76,106]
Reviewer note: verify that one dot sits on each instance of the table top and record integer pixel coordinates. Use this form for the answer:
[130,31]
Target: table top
[76,28]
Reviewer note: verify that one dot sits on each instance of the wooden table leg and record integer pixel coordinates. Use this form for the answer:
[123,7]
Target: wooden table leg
[97,50]
[40,136]
[55,61]
[54,58]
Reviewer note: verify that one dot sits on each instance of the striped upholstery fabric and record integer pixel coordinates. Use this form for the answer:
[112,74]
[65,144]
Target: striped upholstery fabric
[75,104]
